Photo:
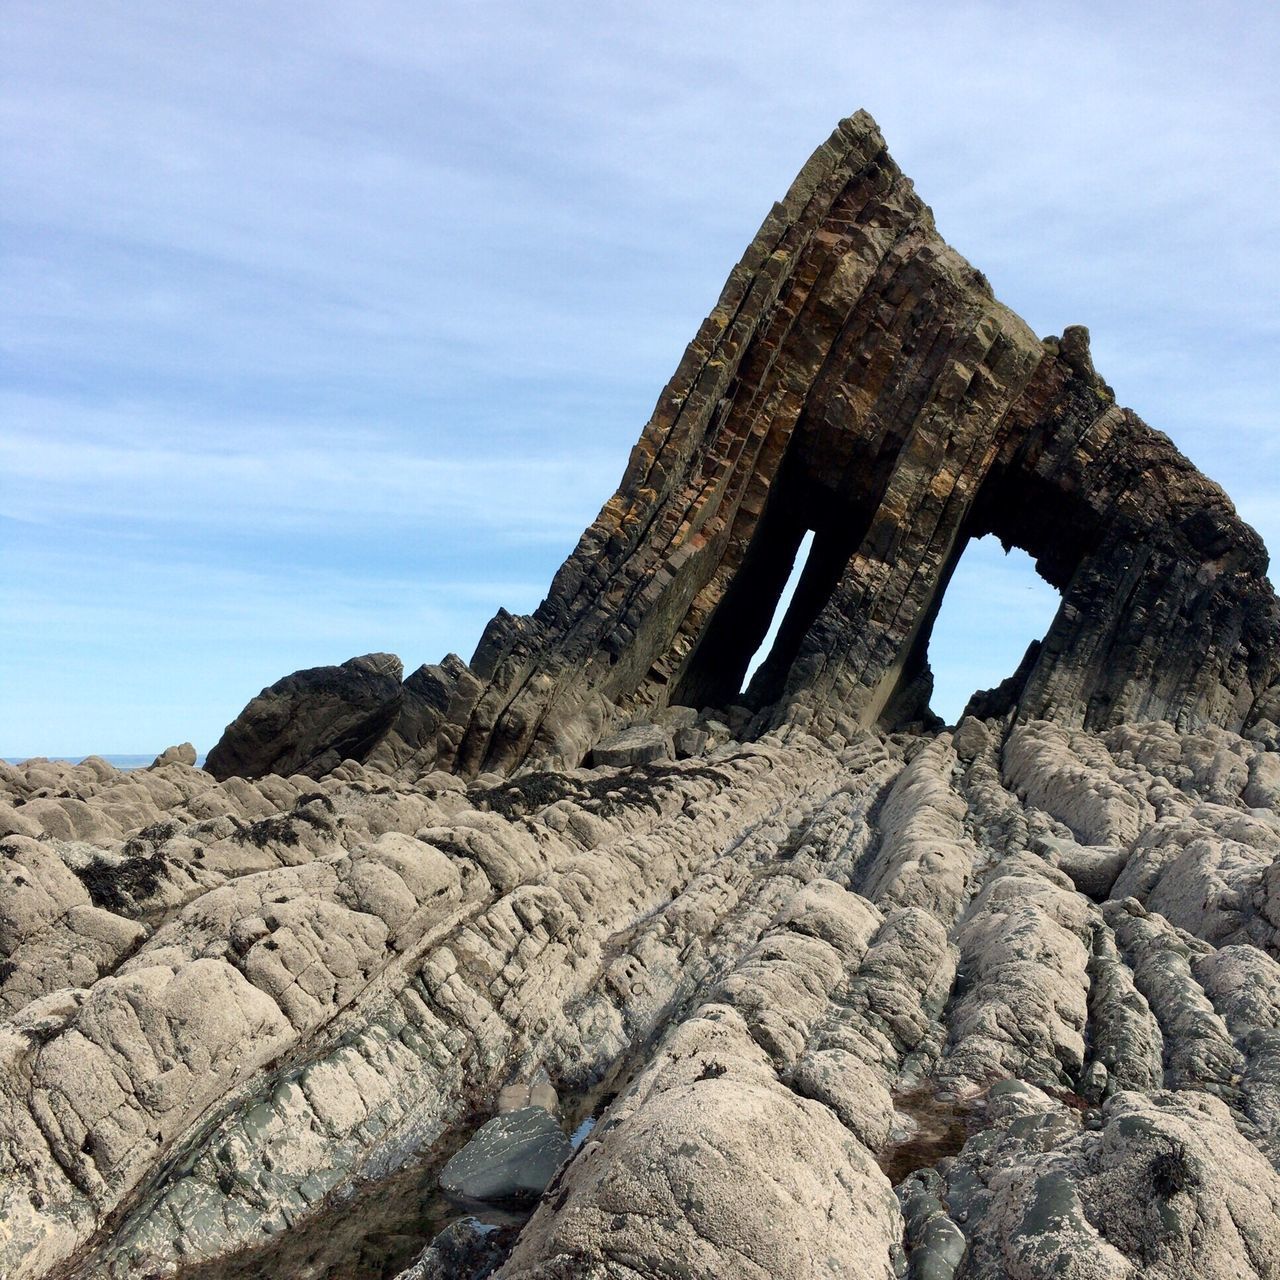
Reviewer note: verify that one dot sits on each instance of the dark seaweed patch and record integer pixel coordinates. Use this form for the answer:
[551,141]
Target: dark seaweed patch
[278,829]
[604,796]
[1171,1172]
[116,887]
[314,797]
[149,839]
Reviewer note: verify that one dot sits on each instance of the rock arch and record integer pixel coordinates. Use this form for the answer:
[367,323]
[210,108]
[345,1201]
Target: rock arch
[857,377]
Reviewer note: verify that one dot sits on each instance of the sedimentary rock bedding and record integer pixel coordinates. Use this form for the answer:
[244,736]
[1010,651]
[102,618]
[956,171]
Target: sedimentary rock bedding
[858,380]
[585,960]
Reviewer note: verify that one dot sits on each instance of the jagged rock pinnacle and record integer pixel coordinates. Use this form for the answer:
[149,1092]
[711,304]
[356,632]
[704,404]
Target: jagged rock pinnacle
[858,379]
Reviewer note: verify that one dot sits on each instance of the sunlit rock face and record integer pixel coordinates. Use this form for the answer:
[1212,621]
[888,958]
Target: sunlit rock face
[810,985]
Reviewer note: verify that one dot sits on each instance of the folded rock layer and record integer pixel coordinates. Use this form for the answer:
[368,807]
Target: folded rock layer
[864,1005]
[856,379]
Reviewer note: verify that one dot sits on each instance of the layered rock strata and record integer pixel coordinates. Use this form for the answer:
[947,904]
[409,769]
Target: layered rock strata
[811,969]
[856,379]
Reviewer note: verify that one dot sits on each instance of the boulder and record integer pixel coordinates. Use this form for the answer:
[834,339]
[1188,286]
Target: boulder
[312,721]
[641,744]
[465,1250]
[512,1158]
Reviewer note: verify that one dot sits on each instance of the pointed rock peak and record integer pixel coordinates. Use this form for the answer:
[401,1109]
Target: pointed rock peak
[856,381]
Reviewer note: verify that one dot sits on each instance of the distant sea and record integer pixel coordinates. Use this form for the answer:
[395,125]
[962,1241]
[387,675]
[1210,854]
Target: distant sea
[120,762]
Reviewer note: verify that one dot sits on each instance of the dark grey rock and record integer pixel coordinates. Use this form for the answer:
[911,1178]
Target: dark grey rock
[465,1250]
[313,718]
[513,1157]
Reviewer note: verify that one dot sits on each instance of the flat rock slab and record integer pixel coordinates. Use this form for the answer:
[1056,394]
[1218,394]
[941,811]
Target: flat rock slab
[641,744]
[513,1157]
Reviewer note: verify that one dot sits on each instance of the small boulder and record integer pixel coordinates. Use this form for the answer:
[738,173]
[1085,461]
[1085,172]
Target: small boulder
[512,1158]
[464,1250]
[677,717]
[641,744]
[183,754]
[970,738]
[690,742]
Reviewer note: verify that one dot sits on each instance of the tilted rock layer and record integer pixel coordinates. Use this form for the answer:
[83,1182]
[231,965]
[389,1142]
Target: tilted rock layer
[858,379]
[1029,974]
[819,995]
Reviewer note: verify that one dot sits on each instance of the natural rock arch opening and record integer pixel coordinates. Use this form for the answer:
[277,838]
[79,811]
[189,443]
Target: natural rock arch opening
[995,608]
[780,612]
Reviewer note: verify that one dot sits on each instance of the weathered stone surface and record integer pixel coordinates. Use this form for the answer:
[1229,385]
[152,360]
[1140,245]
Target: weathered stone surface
[641,744]
[858,379]
[313,720]
[803,949]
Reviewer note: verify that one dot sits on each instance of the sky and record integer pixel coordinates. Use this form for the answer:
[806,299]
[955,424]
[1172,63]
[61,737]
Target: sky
[327,327]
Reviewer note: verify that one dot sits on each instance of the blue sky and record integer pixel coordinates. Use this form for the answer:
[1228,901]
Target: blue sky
[327,327]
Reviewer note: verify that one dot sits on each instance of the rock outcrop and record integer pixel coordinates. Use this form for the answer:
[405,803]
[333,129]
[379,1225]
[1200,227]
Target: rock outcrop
[313,720]
[858,379]
[248,1022]
[765,984]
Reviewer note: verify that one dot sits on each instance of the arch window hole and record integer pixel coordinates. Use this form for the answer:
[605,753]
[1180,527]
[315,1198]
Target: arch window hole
[779,610]
[995,605]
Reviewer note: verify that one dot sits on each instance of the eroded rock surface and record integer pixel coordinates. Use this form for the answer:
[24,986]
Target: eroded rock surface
[791,955]
[789,990]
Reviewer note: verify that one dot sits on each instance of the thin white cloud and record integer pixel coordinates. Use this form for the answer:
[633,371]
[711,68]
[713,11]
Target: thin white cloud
[525,497]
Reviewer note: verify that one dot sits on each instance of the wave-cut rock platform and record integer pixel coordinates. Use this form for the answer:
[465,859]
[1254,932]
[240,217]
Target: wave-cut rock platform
[771,979]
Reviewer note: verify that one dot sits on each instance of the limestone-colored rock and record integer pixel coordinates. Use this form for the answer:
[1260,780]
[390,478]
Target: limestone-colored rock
[641,744]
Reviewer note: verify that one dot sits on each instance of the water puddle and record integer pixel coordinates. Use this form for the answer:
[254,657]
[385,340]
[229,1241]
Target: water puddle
[381,1227]
[373,1233]
[927,1128]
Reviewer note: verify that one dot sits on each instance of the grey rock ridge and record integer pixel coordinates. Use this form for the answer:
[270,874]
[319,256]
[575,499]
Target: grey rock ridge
[785,982]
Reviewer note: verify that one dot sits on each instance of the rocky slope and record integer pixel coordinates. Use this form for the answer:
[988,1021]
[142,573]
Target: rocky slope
[1026,973]
[782,982]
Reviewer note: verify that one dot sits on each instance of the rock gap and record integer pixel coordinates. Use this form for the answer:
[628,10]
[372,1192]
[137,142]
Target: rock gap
[995,606]
[781,610]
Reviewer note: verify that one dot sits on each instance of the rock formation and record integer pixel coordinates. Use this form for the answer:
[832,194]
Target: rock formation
[788,981]
[858,378]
